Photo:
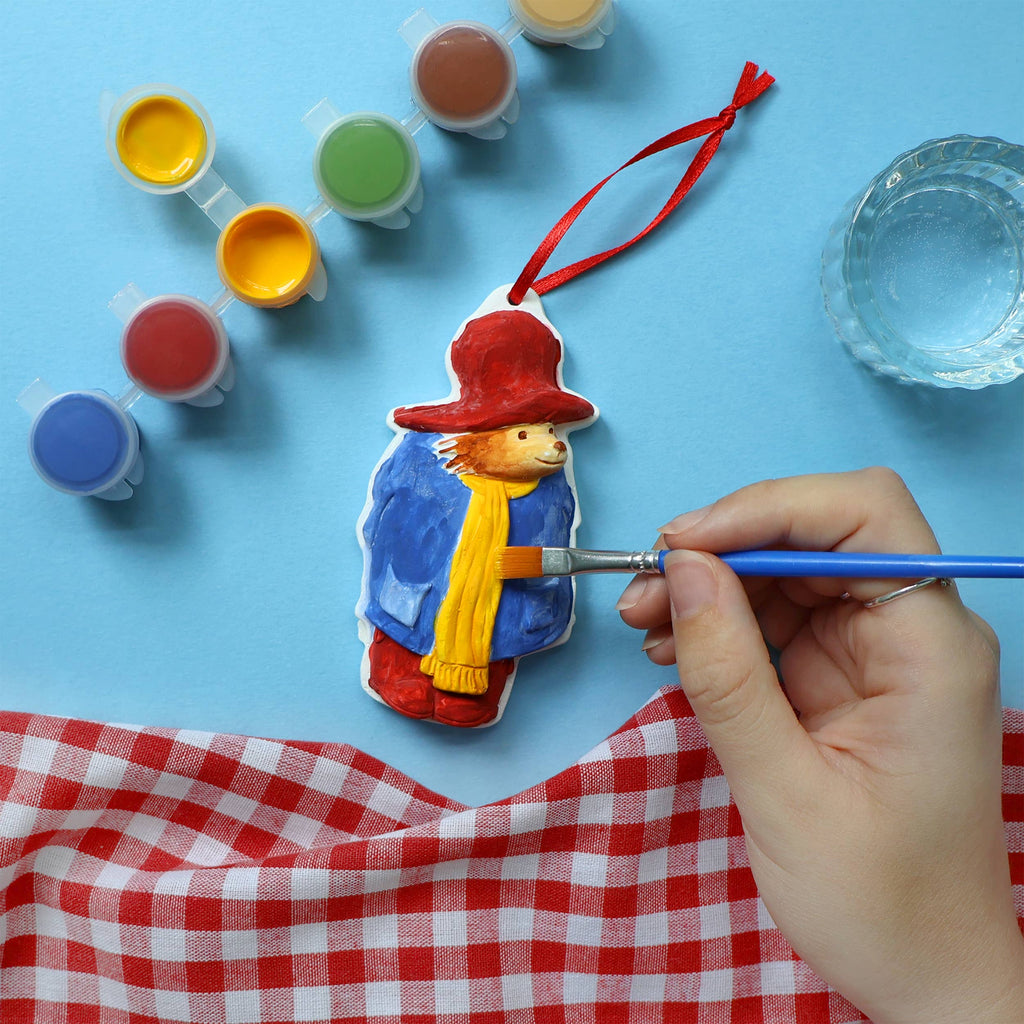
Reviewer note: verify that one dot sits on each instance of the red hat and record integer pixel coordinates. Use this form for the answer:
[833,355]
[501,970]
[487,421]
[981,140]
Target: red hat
[506,367]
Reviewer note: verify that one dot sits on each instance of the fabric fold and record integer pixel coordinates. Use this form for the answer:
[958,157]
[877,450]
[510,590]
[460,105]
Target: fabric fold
[170,875]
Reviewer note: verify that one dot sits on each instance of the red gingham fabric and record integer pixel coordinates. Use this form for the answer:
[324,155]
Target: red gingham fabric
[166,875]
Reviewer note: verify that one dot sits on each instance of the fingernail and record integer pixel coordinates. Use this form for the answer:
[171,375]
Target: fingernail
[692,586]
[686,520]
[632,594]
[652,640]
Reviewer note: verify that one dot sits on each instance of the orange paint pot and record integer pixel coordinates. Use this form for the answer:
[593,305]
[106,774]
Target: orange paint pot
[268,256]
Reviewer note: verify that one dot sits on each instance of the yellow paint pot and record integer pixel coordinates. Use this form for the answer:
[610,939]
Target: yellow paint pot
[160,138]
[267,255]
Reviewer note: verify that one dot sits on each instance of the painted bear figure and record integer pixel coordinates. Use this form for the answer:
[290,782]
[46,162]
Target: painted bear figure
[487,468]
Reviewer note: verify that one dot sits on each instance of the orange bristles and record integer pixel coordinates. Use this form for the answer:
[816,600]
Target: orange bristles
[519,563]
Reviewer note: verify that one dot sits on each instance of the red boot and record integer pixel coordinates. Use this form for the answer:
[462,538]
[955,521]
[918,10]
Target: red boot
[395,675]
[466,710]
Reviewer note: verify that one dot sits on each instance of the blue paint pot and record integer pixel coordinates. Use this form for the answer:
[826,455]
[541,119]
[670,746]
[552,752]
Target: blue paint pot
[83,442]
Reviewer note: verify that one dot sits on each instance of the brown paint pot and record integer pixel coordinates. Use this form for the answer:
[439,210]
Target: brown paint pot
[463,75]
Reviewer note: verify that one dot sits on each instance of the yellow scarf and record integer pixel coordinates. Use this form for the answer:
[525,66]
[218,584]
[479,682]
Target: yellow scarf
[465,621]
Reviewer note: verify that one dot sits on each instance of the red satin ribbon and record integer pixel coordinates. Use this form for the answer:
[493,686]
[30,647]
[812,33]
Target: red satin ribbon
[751,85]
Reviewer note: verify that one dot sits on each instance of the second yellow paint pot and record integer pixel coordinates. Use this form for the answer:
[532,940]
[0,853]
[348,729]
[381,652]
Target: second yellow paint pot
[267,255]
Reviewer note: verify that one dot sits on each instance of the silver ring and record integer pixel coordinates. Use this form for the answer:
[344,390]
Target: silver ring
[893,594]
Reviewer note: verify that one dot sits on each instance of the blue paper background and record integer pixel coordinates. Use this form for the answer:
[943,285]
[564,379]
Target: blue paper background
[221,597]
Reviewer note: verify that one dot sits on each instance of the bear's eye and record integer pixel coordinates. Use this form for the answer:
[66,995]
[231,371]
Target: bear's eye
[551,430]
[522,435]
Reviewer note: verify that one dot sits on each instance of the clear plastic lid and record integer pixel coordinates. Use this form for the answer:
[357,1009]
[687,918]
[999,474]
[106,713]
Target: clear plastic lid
[581,24]
[463,75]
[366,165]
[159,137]
[83,442]
[174,347]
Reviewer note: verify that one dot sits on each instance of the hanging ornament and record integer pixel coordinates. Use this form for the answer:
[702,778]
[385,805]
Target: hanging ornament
[488,467]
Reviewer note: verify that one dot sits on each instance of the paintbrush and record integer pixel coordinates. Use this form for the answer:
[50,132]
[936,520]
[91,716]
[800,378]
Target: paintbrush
[528,562]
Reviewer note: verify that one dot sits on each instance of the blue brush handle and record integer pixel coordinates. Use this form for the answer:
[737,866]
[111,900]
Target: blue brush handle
[863,564]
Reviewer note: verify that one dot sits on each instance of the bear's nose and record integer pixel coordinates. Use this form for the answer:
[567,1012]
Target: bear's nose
[559,446]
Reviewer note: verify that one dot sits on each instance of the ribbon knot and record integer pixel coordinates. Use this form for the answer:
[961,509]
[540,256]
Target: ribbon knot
[728,115]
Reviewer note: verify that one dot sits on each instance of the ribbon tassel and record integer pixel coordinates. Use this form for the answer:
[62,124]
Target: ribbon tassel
[750,86]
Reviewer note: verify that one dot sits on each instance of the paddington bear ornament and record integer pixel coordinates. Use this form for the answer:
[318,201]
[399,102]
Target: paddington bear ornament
[487,467]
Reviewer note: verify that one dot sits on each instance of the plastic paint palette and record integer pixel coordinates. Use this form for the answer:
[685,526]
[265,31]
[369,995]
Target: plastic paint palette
[366,167]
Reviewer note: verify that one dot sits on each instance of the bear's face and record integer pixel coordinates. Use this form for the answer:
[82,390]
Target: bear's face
[527,451]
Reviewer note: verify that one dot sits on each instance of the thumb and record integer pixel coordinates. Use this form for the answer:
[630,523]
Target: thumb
[726,674]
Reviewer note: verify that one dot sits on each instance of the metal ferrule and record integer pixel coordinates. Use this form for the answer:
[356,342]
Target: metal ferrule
[569,561]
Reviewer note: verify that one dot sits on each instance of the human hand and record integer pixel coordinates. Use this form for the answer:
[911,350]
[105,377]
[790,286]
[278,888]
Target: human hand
[870,798]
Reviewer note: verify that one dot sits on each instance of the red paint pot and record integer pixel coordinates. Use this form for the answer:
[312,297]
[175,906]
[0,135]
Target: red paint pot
[174,347]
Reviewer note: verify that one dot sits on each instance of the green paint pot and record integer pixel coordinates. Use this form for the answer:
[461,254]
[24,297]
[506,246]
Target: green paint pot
[366,166]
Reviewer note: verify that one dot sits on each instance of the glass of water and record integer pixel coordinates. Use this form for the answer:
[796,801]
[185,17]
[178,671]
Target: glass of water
[923,272]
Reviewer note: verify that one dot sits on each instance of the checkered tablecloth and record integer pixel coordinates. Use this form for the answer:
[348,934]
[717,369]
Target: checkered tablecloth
[168,875]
